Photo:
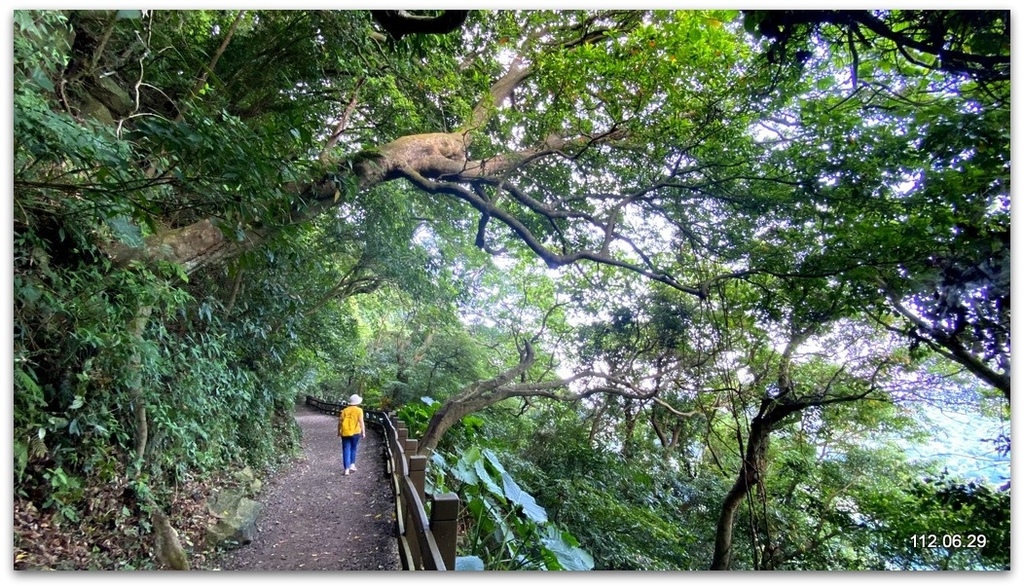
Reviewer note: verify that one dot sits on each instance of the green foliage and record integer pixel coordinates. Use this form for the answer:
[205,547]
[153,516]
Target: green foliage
[40,49]
[416,415]
[630,514]
[940,523]
[98,343]
[800,197]
[509,530]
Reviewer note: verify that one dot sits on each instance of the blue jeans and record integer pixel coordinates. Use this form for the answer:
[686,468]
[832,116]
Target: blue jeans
[349,445]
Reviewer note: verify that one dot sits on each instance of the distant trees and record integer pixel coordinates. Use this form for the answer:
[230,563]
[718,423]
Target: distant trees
[216,210]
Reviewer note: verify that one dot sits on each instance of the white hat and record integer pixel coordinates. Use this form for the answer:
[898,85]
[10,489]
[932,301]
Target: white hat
[355,399]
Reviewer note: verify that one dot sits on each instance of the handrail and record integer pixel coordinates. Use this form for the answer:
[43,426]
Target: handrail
[431,543]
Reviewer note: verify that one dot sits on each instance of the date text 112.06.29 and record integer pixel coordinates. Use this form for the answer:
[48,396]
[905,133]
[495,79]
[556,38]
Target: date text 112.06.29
[949,540]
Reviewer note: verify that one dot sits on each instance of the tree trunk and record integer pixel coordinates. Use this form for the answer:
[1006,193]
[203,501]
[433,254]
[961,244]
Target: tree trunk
[472,398]
[749,476]
[136,391]
[630,414]
[448,416]
[772,411]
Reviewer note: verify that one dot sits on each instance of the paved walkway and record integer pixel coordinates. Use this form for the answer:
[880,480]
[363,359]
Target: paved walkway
[315,518]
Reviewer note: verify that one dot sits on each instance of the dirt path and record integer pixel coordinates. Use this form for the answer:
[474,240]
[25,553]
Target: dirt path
[315,518]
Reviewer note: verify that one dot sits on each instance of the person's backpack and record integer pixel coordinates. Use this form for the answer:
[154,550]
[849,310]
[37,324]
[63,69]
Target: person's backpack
[348,423]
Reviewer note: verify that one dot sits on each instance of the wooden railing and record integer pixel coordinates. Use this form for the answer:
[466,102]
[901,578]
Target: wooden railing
[424,542]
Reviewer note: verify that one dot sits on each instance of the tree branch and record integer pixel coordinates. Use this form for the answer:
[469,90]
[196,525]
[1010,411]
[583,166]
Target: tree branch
[551,258]
[216,56]
[399,23]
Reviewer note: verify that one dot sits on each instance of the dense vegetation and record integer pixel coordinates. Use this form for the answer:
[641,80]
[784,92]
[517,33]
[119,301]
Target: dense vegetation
[667,290]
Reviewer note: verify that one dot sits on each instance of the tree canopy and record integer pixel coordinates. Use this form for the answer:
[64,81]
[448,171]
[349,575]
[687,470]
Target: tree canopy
[724,257]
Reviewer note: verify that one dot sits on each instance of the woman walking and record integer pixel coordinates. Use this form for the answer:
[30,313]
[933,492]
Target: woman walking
[351,429]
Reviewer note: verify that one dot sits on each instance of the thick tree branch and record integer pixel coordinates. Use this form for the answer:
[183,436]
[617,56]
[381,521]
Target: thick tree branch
[779,26]
[201,81]
[399,23]
[500,91]
[950,347]
[490,392]
[342,124]
[550,257]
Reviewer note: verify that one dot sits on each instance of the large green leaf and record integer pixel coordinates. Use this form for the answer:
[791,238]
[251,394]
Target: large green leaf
[464,470]
[518,496]
[469,563]
[485,478]
[570,557]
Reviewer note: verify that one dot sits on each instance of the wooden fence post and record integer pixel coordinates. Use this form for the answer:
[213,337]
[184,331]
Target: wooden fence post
[403,432]
[444,524]
[417,477]
[412,537]
[418,474]
[410,446]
